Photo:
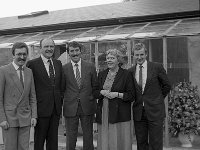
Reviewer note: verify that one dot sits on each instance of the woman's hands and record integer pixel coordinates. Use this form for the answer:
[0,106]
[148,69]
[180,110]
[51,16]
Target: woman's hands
[109,94]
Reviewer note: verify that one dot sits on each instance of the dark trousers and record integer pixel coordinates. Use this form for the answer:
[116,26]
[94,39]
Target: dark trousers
[47,130]
[149,134]
[71,124]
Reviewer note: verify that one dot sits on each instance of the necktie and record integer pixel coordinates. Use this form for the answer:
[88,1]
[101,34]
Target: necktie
[51,72]
[78,76]
[140,76]
[21,76]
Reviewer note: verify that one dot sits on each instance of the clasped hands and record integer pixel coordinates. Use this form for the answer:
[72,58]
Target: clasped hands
[109,94]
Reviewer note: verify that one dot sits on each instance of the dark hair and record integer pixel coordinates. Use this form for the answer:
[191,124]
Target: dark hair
[73,44]
[139,46]
[19,45]
[45,39]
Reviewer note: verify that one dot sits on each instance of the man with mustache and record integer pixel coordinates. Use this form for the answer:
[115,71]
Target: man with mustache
[48,76]
[79,101]
[18,108]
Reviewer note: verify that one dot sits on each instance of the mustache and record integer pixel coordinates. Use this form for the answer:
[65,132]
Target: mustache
[51,51]
[21,59]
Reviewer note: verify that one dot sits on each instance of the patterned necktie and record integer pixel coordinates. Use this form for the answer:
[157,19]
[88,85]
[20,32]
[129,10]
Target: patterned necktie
[78,76]
[51,72]
[21,76]
[140,76]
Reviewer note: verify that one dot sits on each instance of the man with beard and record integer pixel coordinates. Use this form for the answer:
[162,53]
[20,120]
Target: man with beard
[18,108]
[152,86]
[48,77]
[79,102]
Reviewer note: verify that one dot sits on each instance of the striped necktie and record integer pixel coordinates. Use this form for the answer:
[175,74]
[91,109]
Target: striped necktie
[78,76]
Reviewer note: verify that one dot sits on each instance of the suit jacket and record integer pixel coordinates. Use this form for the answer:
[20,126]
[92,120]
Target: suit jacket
[156,89]
[85,94]
[48,96]
[119,109]
[17,104]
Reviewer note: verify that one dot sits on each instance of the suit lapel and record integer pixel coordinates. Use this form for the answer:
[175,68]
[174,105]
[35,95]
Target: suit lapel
[71,73]
[43,70]
[149,75]
[14,76]
[117,77]
[83,72]
[135,81]
[26,78]
[55,68]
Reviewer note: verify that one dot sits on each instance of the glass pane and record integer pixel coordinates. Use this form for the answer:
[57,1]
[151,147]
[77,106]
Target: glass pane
[155,29]
[69,34]
[86,52]
[177,59]
[43,35]
[129,28]
[99,31]
[4,39]
[23,38]
[186,27]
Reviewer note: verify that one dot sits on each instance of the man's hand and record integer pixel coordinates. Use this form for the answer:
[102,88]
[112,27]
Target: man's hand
[33,122]
[4,125]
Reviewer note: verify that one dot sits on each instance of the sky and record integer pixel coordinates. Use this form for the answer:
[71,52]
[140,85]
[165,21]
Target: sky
[21,7]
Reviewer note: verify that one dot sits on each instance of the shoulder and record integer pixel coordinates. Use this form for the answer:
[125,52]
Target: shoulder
[33,61]
[67,65]
[57,62]
[103,72]
[131,69]
[125,72]
[156,65]
[87,64]
[5,67]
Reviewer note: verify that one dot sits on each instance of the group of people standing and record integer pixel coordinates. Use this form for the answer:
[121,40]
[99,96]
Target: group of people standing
[33,94]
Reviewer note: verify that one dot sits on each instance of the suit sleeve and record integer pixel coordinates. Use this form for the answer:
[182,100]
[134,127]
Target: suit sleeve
[164,81]
[129,91]
[2,84]
[32,98]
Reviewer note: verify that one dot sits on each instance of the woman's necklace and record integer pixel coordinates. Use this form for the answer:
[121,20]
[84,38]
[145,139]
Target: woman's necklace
[114,72]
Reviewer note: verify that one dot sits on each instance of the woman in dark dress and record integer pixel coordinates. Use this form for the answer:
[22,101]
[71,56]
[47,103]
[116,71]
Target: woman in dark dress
[116,92]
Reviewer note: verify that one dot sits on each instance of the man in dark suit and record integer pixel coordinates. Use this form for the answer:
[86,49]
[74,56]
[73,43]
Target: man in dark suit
[152,86]
[79,103]
[48,77]
[18,106]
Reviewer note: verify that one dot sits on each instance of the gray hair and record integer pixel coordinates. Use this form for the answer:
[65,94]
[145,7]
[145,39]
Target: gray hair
[117,54]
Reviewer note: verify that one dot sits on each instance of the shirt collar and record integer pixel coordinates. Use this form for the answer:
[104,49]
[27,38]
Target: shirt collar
[44,59]
[144,65]
[73,63]
[16,66]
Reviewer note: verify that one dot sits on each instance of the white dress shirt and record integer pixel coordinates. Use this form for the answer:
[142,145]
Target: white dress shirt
[46,64]
[144,74]
[18,71]
[74,67]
